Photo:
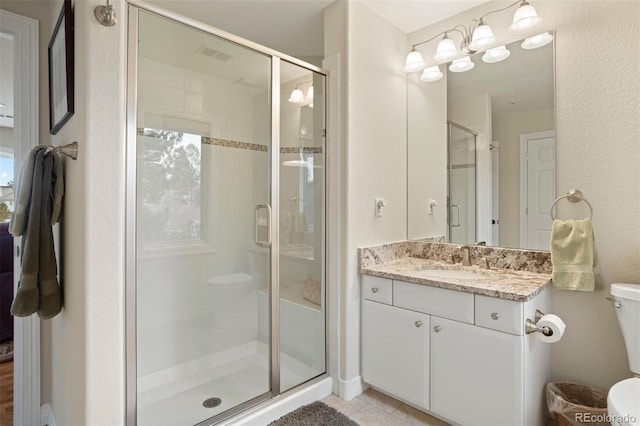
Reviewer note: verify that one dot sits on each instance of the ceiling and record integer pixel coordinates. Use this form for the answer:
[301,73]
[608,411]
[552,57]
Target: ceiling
[296,27]
[412,15]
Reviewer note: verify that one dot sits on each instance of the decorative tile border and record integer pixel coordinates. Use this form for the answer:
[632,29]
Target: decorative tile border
[463,166]
[295,150]
[247,145]
[234,144]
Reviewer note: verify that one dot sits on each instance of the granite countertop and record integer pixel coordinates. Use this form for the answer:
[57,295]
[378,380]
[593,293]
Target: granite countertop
[509,284]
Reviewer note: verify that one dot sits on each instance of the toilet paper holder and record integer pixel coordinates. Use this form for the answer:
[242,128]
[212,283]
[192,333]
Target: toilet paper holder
[533,327]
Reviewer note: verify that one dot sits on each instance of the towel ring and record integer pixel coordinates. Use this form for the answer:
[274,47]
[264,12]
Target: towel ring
[574,196]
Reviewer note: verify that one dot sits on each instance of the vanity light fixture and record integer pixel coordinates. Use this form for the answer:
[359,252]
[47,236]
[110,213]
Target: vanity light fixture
[537,41]
[446,50]
[476,37]
[462,64]
[496,54]
[309,97]
[298,97]
[431,74]
[415,62]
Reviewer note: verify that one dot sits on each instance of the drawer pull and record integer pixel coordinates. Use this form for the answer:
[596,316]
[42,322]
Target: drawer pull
[418,323]
[374,289]
[495,316]
[437,329]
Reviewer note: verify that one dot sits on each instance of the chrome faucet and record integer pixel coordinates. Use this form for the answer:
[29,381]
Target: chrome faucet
[483,263]
[466,258]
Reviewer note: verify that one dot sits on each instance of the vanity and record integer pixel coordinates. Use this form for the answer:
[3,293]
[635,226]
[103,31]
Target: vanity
[450,339]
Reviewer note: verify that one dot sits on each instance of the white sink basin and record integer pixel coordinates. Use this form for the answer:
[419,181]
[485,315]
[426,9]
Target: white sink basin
[450,273]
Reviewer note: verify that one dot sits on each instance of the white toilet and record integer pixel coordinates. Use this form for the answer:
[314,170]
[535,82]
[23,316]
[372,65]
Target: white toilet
[623,400]
[229,295]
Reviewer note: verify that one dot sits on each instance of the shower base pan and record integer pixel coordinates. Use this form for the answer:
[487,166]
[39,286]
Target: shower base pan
[195,391]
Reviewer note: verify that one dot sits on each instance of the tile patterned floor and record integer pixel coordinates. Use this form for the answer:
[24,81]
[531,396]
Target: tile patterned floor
[373,408]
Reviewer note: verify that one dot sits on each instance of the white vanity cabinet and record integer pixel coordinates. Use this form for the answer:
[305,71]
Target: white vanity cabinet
[476,374]
[460,356]
[391,334]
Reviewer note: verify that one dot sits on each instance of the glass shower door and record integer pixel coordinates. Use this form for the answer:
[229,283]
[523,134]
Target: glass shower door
[462,184]
[302,303]
[202,223]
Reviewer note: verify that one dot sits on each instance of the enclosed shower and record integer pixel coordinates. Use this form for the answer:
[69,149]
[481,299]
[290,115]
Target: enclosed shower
[226,300]
[461,172]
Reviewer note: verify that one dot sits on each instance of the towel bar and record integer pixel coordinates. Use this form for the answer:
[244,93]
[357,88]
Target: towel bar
[70,150]
[574,196]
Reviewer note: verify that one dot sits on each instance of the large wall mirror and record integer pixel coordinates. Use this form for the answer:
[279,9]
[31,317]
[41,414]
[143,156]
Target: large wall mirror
[481,152]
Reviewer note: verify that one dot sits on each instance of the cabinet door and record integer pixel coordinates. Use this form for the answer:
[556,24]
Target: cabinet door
[476,374]
[395,351]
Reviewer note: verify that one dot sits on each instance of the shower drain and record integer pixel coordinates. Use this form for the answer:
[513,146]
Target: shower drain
[212,402]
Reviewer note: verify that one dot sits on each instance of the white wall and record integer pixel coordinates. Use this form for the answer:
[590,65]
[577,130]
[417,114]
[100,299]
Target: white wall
[375,154]
[597,105]
[426,130]
[507,129]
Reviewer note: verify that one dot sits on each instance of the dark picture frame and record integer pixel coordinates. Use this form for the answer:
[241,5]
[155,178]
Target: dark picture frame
[61,70]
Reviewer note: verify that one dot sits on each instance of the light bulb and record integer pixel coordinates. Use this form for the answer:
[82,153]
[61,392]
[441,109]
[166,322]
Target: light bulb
[537,41]
[461,65]
[524,19]
[446,50]
[297,97]
[431,74]
[482,37]
[414,62]
[497,54]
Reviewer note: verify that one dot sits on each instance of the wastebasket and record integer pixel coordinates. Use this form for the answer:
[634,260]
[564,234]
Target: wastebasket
[572,404]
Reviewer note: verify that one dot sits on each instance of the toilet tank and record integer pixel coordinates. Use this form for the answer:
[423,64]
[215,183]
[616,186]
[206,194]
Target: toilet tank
[628,296]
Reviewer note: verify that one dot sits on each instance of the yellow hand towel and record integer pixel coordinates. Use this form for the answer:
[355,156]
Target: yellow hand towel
[572,254]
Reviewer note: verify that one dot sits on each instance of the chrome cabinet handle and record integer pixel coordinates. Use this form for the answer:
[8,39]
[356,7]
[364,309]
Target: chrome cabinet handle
[374,289]
[267,242]
[418,323]
[437,329]
[495,316]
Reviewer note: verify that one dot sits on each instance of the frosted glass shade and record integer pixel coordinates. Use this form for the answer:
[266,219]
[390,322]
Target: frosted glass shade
[431,74]
[497,54]
[537,41]
[309,97]
[482,37]
[524,19]
[297,97]
[461,65]
[446,50]
[414,62]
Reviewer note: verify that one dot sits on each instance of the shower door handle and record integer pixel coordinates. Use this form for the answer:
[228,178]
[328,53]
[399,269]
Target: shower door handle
[259,242]
[457,224]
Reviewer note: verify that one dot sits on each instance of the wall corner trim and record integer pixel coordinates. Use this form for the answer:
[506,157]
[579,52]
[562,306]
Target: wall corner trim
[349,389]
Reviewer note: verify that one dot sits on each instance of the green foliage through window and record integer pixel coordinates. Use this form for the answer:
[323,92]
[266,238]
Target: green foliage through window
[170,200]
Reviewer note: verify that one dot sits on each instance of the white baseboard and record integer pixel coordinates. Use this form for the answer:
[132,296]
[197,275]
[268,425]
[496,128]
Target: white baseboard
[349,389]
[46,415]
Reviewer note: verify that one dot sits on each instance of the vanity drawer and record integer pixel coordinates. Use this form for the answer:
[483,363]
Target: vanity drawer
[452,304]
[500,314]
[377,289]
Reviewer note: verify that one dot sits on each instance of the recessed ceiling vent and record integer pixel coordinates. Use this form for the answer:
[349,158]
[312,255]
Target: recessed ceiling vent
[213,53]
